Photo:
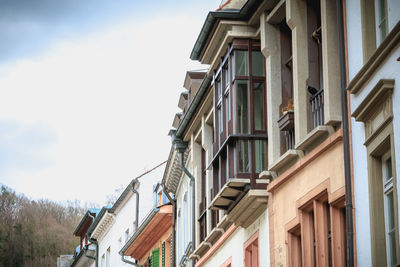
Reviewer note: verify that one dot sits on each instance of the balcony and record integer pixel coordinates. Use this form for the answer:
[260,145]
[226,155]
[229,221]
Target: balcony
[316,106]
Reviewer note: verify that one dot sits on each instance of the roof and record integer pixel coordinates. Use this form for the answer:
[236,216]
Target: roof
[173,171]
[114,209]
[213,17]
[153,227]
[85,219]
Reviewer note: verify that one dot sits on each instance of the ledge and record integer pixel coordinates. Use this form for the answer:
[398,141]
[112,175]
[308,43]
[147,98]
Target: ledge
[249,208]
[312,137]
[211,238]
[267,175]
[232,189]
[380,55]
[289,155]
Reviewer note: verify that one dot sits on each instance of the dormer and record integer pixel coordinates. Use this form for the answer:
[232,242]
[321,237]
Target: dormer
[83,226]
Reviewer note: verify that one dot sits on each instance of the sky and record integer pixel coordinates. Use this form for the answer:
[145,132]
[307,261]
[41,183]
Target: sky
[88,91]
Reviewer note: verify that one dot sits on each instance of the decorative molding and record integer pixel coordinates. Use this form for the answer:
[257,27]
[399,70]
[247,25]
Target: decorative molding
[380,54]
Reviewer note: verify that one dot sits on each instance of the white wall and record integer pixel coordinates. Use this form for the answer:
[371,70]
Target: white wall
[388,70]
[124,220]
[234,245]
[184,223]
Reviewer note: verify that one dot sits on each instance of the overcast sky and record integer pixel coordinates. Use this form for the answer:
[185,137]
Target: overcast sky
[89,89]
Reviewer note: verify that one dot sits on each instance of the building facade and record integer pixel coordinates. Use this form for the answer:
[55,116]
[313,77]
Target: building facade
[373,41]
[150,245]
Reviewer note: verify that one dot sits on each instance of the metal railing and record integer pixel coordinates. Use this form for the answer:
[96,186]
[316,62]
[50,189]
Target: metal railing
[316,106]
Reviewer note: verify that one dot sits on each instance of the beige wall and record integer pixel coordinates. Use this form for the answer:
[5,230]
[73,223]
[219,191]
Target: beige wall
[328,165]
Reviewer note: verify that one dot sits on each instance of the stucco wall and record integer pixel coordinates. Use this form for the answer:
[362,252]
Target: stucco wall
[233,246]
[328,165]
[388,70]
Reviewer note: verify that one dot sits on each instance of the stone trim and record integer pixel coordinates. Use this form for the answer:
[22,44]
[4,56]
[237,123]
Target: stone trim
[380,54]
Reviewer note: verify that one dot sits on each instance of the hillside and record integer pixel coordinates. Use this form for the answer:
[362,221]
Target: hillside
[35,232]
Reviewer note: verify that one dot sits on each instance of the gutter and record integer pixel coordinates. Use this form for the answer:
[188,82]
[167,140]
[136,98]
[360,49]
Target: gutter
[180,146]
[214,16]
[346,138]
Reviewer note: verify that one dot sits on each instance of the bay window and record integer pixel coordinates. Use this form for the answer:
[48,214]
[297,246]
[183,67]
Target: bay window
[240,121]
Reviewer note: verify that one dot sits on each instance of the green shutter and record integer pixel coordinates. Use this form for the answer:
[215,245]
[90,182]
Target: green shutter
[148,262]
[155,258]
[163,255]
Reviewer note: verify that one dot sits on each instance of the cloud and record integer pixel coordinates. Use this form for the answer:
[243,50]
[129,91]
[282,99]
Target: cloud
[23,147]
[28,27]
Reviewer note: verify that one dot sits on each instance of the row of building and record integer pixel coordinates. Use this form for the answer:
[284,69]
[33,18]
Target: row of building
[284,152]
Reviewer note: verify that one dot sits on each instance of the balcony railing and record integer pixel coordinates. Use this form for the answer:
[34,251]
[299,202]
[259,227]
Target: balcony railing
[316,106]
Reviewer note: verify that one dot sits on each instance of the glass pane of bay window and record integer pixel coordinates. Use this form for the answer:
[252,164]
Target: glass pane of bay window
[226,76]
[258,97]
[242,107]
[227,108]
[220,120]
[244,156]
[257,63]
[260,154]
[242,63]
[218,88]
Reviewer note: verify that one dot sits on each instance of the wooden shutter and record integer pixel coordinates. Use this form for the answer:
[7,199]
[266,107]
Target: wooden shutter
[155,258]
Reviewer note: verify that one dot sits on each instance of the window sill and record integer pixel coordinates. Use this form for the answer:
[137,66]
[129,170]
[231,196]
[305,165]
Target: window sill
[249,208]
[316,136]
[285,159]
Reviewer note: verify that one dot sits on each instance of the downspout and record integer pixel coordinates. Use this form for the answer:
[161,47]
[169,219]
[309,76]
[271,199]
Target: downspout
[173,236]
[180,146]
[346,139]
[135,186]
[128,262]
[88,256]
[94,242]
[191,177]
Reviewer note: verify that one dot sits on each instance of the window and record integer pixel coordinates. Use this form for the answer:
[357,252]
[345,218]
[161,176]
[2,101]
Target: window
[203,199]
[389,214]
[286,121]
[227,263]
[240,114]
[376,112]
[251,252]
[315,79]
[103,260]
[381,20]
[126,235]
[108,257]
[319,237]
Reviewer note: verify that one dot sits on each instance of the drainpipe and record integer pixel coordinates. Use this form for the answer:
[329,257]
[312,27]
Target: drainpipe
[346,139]
[173,236]
[191,177]
[180,146]
[135,187]
[94,242]
[128,262]
[88,256]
